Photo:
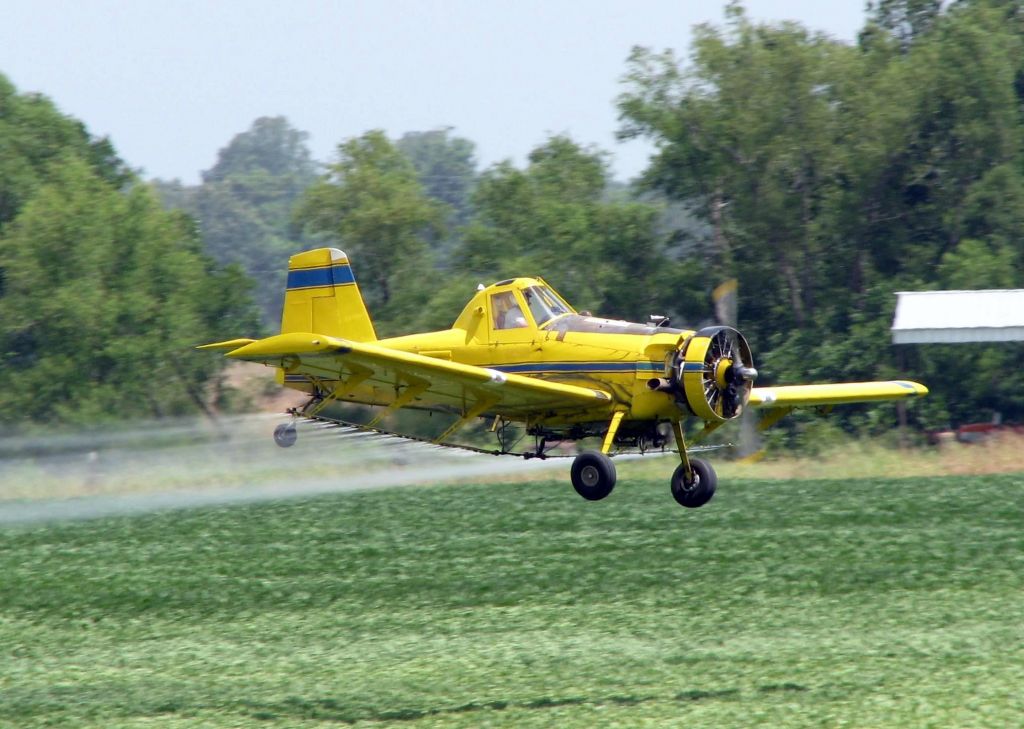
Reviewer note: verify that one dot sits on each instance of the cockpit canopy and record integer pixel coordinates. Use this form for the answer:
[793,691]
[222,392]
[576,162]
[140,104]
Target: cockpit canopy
[506,309]
[542,303]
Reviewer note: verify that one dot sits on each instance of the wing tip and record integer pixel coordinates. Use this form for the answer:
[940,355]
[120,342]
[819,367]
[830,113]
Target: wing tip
[918,389]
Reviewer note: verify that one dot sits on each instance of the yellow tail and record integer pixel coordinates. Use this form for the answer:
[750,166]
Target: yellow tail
[323,297]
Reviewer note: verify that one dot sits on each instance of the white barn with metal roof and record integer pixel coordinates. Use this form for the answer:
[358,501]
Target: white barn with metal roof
[928,317]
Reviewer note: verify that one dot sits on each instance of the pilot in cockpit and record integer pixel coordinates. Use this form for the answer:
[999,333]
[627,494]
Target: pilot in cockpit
[507,314]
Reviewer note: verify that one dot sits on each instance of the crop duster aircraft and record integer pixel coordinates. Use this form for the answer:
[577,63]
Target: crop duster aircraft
[519,354]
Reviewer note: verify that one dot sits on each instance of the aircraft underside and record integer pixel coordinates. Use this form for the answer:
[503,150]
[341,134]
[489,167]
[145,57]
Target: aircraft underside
[592,473]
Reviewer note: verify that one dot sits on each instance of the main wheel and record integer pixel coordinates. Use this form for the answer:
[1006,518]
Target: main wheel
[285,435]
[593,475]
[700,489]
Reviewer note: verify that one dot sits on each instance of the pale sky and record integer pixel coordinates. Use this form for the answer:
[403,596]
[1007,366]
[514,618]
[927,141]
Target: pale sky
[172,81]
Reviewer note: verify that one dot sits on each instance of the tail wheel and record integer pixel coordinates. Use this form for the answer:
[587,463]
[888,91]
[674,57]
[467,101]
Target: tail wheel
[593,475]
[696,490]
[717,373]
[285,435]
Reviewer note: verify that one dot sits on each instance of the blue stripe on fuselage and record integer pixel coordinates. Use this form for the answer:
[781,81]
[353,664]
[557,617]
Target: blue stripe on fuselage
[535,368]
[538,367]
[309,278]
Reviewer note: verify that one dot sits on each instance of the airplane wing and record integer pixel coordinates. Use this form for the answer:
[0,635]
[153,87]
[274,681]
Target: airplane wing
[839,393]
[366,372]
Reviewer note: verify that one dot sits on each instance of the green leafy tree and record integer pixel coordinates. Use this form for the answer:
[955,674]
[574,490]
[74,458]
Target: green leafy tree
[747,135]
[445,166]
[554,219]
[371,204]
[245,203]
[904,20]
[34,138]
[104,297]
[270,147]
[830,176]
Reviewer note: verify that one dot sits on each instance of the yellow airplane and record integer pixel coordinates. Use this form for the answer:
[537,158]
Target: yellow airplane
[519,354]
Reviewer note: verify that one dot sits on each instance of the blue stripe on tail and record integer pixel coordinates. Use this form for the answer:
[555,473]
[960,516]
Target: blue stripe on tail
[308,278]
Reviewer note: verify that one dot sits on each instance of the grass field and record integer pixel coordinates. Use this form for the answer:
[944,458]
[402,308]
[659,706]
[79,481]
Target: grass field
[783,603]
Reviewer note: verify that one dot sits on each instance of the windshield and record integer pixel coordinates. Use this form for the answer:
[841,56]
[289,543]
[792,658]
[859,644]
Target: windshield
[544,303]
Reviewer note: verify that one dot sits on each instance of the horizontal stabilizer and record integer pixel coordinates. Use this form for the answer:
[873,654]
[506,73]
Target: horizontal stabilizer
[229,344]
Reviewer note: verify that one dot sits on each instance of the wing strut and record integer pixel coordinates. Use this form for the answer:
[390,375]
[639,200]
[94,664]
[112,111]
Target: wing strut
[414,387]
[322,397]
[478,409]
[773,417]
[710,426]
[320,400]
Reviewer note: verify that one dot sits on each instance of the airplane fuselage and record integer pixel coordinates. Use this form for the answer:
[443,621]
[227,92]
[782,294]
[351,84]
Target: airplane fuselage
[618,357]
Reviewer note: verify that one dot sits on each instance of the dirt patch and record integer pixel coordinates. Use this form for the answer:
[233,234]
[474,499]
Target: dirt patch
[257,386]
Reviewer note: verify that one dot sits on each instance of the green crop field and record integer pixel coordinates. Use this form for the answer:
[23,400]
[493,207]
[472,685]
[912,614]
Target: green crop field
[839,603]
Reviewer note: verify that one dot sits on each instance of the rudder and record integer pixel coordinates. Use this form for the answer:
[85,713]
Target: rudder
[322,297]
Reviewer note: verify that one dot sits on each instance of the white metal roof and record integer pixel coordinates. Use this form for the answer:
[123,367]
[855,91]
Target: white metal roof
[923,317]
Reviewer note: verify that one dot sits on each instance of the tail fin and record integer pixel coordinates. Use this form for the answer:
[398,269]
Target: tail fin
[323,297]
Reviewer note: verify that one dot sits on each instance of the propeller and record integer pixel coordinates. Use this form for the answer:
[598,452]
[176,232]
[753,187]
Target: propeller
[716,371]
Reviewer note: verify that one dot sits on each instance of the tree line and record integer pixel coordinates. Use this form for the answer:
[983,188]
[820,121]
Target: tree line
[102,291]
[821,175]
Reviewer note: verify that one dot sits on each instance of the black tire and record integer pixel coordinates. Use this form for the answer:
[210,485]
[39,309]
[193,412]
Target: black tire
[593,475]
[700,490]
[285,435]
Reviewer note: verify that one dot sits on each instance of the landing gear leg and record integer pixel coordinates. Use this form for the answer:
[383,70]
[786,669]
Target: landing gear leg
[694,481]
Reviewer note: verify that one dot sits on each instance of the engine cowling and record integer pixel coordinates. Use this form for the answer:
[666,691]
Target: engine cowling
[714,371]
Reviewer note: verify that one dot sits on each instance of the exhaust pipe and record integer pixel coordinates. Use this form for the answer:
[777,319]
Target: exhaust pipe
[660,384]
